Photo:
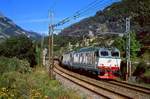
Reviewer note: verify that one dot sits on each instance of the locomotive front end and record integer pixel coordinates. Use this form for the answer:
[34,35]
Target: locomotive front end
[109,64]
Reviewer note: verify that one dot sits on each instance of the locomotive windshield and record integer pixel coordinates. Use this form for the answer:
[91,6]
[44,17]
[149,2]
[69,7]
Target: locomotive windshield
[97,54]
[104,53]
[115,54]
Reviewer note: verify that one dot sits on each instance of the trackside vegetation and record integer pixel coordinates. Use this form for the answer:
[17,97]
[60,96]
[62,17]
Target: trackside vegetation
[19,81]
[21,78]
[20,47]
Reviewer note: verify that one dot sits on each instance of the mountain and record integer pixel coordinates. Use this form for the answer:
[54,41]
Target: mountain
[8,28]
[113,19]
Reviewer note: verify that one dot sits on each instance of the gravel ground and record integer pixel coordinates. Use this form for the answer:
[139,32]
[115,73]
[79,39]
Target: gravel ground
[80,90]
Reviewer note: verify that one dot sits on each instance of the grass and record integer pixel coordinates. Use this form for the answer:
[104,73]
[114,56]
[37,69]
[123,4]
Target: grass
[50,88]
[35,84]
[147,73]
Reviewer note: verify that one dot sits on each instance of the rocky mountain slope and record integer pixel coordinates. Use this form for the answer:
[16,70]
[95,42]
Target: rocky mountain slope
[113,18]
[9,28]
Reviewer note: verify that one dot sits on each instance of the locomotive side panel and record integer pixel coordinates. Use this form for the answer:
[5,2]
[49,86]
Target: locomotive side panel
[106,62]
[66,59]
[85,60]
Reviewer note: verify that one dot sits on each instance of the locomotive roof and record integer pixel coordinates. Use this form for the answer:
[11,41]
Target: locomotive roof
[115,49]
[85,49]
[88,49]
[92,49]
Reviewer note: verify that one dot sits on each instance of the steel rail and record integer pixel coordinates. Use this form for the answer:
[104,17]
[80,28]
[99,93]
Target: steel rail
[78,82]
[131,86]
[96,88]
[126,89]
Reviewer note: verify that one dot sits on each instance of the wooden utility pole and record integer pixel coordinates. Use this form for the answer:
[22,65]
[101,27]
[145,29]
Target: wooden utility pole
[51,62]
[128,61]
[42,43]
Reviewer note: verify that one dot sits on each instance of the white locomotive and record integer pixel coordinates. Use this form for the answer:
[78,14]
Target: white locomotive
[105,62]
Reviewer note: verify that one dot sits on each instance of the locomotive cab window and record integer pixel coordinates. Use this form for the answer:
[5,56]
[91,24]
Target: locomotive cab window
[115,54]
[104,53]
[96,53]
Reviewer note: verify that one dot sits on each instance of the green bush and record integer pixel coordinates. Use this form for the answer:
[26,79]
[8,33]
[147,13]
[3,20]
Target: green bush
[140,69]
[40,83]
[20,47]
[13,64]
[15,83]
[34,85]
[146,56]
[19,81]
[147,73]
[12,77]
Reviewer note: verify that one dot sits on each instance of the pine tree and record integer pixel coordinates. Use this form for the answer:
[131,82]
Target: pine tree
[135,45]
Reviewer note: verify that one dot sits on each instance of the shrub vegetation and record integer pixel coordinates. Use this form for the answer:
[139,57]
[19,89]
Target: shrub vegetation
[20,47]
[19,81]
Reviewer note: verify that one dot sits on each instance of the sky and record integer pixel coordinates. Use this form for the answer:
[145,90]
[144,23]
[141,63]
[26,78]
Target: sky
[32,15]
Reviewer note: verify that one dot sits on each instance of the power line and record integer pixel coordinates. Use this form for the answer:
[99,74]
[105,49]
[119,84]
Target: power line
[78,13]
[85,9]
[97,6]
[82,10]
[92,6]
[88,5]
[89,10]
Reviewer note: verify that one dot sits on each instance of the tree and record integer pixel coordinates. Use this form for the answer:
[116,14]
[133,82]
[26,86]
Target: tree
[135,45]
[139,10]
[20,47]
[120,43]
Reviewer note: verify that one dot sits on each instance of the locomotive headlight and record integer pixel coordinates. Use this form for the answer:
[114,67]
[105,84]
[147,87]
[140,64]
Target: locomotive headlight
[106,74]
[101,64]
[96,63]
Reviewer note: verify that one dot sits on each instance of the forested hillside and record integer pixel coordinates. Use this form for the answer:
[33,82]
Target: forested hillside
[112,19]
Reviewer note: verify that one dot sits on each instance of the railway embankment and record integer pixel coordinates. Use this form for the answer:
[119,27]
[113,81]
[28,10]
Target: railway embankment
[104,89]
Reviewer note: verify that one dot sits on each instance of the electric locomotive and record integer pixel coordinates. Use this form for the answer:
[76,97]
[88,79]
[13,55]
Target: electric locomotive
[105,62]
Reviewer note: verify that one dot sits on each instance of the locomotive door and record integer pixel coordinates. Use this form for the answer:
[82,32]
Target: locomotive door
[96,58]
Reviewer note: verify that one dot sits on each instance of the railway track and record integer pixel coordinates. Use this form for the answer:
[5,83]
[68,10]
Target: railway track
[135,87]
[106,89]
[104,93]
